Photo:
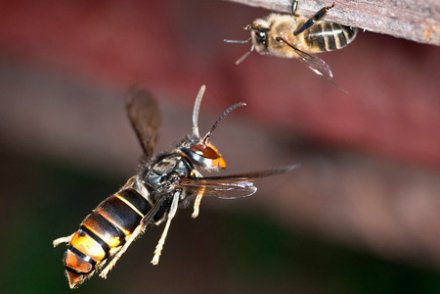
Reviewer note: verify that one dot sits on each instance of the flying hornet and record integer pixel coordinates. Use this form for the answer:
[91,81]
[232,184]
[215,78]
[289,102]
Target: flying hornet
[296,36]
[153,195]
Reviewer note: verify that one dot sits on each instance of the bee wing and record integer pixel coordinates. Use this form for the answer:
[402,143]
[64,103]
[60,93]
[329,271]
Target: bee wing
[230,186]
[145,118]
[316,64]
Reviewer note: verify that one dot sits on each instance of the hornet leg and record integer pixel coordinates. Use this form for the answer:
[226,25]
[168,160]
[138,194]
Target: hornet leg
[198,200]
[171,214]
[103,272]
[58,241]
[196,208]
[105,268]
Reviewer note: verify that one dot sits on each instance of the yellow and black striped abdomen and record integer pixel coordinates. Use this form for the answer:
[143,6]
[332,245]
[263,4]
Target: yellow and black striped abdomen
[328,36]
[103,232]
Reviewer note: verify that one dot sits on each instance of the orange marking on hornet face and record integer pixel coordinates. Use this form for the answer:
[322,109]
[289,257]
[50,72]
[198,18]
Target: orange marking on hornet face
[220,162]
[209,151]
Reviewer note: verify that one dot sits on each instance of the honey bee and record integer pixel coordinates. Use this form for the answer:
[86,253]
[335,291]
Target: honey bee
[295,36]
[153,195]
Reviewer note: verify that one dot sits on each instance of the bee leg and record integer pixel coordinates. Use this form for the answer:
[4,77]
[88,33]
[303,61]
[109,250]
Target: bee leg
[171,214]
[294,7]
[311,21]
[58,241]
[107,267]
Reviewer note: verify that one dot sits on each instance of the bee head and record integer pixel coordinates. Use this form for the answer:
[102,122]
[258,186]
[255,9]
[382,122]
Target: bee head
[199,150]
[260,34]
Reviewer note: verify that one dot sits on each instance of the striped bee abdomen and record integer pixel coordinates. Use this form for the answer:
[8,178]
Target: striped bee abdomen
[102,233]
[328,36]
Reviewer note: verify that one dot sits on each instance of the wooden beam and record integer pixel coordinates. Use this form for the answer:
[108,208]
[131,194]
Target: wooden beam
[416,20]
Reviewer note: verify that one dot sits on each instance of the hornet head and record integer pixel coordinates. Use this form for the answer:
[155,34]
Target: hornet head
[200,150]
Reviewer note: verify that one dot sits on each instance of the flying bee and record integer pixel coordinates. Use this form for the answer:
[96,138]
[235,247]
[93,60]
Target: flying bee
[295,36]
[153,195]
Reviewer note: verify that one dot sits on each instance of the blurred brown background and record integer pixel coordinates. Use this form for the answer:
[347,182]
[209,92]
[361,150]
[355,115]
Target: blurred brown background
[359,216]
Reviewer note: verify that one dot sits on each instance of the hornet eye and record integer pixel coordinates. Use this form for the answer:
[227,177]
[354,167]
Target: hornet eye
[205,151]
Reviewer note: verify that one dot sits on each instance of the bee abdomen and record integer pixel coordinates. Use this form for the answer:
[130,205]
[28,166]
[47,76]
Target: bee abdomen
[106,228]
[328,36]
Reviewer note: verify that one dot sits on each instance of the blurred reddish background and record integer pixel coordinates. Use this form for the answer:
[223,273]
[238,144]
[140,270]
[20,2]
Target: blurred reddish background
[392,107]
[370,158]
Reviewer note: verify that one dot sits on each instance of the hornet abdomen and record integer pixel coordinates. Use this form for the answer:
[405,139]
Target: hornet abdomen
[102,233]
